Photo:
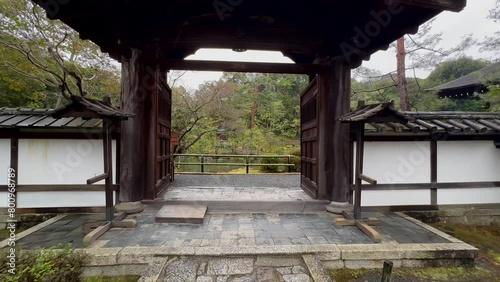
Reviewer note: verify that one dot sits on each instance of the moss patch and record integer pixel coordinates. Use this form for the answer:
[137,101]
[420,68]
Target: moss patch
[486,238]
[348,274]
[127,278]
[5,233]
[445,274]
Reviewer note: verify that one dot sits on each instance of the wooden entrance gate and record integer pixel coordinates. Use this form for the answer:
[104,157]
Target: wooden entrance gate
[163,168]
[309,139]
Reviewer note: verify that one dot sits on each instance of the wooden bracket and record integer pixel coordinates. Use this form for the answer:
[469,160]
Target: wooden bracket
[364,225]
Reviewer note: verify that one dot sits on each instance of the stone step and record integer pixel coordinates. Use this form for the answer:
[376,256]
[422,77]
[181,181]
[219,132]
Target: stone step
[249,206]
[193,214]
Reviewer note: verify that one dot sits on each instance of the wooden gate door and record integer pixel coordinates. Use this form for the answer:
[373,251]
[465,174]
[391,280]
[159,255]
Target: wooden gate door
[309,139]
[163,168]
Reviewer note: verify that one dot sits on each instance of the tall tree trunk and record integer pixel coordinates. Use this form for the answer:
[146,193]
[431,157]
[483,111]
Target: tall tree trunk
[402,83]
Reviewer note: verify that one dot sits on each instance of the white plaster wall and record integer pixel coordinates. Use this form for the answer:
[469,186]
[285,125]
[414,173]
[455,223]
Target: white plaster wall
[468,161]
[61,199]
[3,199]
[397,162]
[50,161]
[468,196]
[4,160]
[395,198]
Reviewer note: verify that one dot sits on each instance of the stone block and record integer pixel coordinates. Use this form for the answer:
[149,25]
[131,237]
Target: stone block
[102,256]
[277,261]
[180,270]
[266,274]
[130,207]
[230,266]
[154,270]
[333,264]
[296,278]
[369,264]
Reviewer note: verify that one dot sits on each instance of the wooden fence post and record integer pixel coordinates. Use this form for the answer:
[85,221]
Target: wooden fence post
[387,271]
[289,167]
[248,161]
[202,161]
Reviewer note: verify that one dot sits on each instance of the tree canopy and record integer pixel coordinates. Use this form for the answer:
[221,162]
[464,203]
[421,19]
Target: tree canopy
[44,60]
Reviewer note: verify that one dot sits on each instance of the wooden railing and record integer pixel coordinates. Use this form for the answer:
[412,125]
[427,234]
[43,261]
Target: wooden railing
[202,163]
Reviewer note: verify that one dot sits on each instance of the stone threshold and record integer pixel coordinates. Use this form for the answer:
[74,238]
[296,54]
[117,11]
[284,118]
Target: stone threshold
[249,206]
[329,252]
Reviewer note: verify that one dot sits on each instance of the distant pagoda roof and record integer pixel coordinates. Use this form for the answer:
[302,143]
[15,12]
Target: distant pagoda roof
[467,85]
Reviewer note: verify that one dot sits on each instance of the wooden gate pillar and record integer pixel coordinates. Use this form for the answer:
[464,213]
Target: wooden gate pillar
[139,86]
[334,152]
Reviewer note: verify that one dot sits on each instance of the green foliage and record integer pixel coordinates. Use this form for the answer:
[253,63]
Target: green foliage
[44,60]
[384,89]
[296,161]
[453,69]
[46,265]
[271,169]
[258,113]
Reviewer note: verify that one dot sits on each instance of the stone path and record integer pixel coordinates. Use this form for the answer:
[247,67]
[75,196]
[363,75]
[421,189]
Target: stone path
[237,187]
[70,230]
[232,230]
[193,193]
[231,269]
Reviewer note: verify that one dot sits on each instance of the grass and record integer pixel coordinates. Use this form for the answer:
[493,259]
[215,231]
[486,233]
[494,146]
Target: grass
[127,278]
[417,274]
[5,233]
[485,238]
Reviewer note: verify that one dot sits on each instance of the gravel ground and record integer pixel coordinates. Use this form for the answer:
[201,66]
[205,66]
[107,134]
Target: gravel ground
[225,180]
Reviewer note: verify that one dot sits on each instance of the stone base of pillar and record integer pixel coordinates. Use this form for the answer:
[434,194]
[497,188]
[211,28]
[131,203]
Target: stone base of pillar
[338,207]
[130,207]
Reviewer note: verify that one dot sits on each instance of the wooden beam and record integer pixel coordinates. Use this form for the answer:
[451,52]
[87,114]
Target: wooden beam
[448,5]
[360,128]
[434,174]
[368,179]
[369,231]
[97,178]
[59,188]
[14,164]
[108,169]
[244,67]
[96,233]
[422,186]
[137,151]
[333,137]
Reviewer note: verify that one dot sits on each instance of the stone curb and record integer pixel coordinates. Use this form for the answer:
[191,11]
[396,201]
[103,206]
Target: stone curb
[145,255]
[154,270]
[407,251]
[33,229]
[315,269]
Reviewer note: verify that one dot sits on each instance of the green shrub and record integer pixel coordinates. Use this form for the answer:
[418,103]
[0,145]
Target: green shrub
[296,161]
[296,152]
[271,169]
[54,265]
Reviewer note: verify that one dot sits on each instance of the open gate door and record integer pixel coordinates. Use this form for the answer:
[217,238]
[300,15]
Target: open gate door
[163,169]
[309,139]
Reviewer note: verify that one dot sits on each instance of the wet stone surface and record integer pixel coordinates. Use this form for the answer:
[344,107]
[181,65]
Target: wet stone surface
[232,269]
[265,230]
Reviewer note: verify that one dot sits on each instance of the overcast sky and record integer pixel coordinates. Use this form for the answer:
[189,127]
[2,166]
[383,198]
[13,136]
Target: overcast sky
[472,20]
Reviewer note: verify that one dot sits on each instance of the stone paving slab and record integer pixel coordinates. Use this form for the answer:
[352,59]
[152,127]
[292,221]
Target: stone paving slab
[181,214]
[237,230]
[70,230]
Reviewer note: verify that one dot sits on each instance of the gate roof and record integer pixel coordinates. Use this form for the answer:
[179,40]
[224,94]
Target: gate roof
[302,30]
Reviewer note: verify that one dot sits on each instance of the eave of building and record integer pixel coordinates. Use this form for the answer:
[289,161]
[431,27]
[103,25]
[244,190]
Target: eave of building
[299,29]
